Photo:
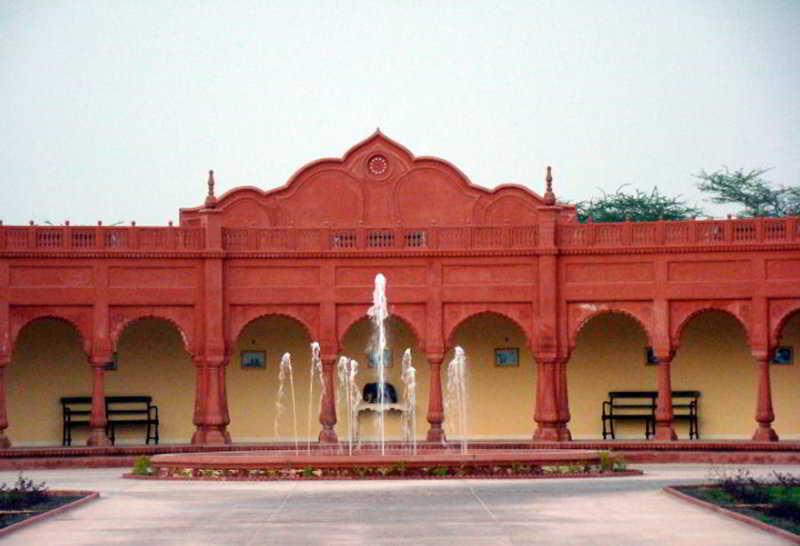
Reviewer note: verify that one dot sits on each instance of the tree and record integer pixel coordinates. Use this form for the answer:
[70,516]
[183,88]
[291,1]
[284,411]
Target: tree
[756,195]
[636,207]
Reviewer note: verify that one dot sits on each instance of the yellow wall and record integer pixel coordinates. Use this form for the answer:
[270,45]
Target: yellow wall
[713,358]
[501,400]
[786,385]
[609,356]
[252,392]
[49,363]
[152,361]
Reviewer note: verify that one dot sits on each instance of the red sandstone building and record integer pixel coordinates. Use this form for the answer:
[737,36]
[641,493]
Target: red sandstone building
[306,255]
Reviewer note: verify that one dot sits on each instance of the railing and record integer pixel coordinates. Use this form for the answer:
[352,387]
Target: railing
[568,236]
[379,238]
[684,233]
[100,238]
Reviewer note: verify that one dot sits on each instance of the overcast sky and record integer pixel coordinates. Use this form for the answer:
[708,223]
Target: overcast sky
[115,110]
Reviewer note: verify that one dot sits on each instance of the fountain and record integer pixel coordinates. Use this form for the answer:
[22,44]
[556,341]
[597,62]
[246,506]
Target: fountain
[379,312]
[278,462]
[408,423]
[455,404]
[284,371]
[315,371]
[347,369]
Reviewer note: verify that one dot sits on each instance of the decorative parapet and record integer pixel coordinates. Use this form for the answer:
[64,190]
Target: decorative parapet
[570,237]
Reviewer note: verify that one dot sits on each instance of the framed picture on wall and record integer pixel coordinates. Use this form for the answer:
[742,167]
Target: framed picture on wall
[112,364]
[650,357]
[372,360]
[506,357]
[783,356]
[254,360]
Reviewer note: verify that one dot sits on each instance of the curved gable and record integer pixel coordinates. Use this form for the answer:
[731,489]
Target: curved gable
[378,182]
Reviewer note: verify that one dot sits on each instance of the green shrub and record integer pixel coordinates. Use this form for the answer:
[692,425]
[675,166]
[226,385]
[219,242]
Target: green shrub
[142,467]
[23,494]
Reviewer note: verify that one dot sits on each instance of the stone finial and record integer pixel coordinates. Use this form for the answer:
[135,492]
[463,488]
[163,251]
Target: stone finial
[211,199]
[549,196]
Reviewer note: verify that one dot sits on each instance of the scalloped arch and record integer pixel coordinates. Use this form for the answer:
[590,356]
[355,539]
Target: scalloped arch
[85,341]
[450,334]
[124,324]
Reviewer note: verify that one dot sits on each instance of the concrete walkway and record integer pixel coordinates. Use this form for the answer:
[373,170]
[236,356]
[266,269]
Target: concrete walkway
[583,512]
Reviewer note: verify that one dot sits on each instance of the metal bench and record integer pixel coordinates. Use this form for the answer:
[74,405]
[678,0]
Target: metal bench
[641,406]
[120,411]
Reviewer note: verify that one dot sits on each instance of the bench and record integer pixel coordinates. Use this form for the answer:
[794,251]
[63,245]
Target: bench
[75,412]
[120,411]
[641,406]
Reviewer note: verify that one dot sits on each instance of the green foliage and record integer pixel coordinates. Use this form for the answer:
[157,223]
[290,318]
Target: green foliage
[142,467]
[635,207]
[754,194]
[439,471]
[24,494]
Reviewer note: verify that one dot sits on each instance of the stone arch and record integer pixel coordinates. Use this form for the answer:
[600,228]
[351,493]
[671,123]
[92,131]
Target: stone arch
[686,320]
[85,341]
[243,322]
[777,331]
[121,326]
[449,338]
[610,311]
[351,321]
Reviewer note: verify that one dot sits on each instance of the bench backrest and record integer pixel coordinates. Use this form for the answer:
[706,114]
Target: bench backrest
[146,400]
[76,401]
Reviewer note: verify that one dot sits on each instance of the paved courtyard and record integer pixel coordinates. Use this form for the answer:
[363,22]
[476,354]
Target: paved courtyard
[464,512]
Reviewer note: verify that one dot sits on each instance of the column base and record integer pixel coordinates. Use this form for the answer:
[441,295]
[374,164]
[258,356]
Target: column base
[98,438]
[211,436]
[328,436]
[765,433]
[436,434]
[546,433]
[665,433]
[564,435]
[5,443]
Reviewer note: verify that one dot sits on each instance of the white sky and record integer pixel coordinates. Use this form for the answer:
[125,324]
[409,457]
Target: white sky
[115,110]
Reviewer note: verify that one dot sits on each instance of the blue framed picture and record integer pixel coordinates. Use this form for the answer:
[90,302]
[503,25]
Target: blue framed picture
[783,356]
[507,357]
[254,360]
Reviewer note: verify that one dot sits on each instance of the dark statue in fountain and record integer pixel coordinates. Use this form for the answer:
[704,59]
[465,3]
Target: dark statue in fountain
[372,394]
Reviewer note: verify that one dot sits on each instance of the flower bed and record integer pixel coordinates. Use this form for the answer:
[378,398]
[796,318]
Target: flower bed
[774,501]
[26,502]
[605,467]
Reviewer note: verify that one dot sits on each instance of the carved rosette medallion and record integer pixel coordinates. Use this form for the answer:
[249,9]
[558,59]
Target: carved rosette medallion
[378,166]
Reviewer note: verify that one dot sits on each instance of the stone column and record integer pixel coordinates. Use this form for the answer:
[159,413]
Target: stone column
[211,411]
[764,412]
[664,415]
[546,414]
[435,406]
[97,419]
[5,443]
[327,410]
[564,435]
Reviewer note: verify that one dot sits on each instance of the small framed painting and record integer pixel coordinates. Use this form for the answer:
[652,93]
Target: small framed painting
[783,356]
[254,360]
[650,357]
[507,357]
[113,364]
[372,360]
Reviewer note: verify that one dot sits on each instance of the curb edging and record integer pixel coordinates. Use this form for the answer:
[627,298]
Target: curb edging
[753,522]
[86,497]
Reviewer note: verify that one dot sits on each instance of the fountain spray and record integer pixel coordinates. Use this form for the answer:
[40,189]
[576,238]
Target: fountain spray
[409,417]
[379,312]
[316,369]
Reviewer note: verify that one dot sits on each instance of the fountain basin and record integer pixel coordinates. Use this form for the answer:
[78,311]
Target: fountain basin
[260,465]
